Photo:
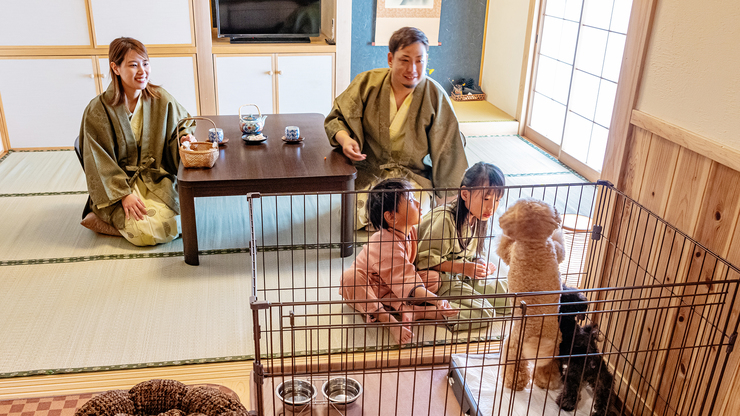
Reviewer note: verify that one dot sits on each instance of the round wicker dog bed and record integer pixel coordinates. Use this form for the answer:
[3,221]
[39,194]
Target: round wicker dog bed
[163,397]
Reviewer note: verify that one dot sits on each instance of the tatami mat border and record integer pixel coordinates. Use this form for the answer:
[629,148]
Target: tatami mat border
[47,372]
[43,194]
[11,151]
[369,349]
[78,259]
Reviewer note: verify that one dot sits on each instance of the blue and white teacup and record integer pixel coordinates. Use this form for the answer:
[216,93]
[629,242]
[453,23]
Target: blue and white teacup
[216,135]
[292,133]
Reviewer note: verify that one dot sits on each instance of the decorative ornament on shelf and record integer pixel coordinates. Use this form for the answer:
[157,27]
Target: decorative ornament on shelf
[465,89]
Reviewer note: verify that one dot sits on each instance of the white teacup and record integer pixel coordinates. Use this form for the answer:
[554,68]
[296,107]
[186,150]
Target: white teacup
[292,133]
[216,135]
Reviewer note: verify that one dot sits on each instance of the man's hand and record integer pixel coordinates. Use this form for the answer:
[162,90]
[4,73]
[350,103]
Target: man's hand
[133,206]
[350,147]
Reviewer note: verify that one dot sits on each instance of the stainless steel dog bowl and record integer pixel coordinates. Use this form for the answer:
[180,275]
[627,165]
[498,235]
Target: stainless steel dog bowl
[296,392]
[342,390]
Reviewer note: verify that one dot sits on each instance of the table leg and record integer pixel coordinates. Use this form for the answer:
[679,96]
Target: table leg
[187,221]
[347,246]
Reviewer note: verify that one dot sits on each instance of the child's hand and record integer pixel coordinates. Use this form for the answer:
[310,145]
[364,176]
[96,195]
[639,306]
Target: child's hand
[479,269]
[446,309]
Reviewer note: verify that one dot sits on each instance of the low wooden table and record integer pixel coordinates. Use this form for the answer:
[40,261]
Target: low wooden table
[271,167]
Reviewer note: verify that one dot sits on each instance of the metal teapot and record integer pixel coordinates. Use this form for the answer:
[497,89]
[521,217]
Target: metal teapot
[251,123]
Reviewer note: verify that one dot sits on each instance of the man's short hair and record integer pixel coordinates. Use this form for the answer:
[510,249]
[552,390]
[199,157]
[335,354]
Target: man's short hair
[406,36]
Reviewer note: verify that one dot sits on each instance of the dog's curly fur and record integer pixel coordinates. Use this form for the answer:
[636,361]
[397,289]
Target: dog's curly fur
[581,361]
[532,246]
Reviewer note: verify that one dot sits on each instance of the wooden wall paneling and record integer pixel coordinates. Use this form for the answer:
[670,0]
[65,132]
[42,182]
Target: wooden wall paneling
[719,209]
[731,406]
[731,384]
[674,255]
[652,174]
[659,169]
[703,145]
[636,156]
[628,86]
[690,184]
[686,369]
[621,314]
[692,351]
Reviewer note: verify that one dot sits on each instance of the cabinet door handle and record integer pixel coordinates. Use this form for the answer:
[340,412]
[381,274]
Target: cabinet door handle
[269,72]
[279,72]
[92,76]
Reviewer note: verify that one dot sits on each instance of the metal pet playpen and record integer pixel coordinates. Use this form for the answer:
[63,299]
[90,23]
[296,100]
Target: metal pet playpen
[662,302]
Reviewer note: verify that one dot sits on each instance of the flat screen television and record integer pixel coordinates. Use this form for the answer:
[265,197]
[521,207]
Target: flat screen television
[267,20]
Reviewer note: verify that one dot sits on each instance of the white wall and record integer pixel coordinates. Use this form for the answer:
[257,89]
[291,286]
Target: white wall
[691,76]
[504,53]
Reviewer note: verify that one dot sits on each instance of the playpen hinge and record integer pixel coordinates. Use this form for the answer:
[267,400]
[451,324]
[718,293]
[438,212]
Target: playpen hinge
[596,233]
[731,344]
[258,304]
[253,195]
[259,373]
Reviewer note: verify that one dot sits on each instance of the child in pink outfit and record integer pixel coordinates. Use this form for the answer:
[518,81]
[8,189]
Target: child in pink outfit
[383,278]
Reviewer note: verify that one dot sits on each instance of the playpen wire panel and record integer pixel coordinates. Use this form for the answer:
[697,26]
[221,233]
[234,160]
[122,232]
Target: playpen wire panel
[663,302]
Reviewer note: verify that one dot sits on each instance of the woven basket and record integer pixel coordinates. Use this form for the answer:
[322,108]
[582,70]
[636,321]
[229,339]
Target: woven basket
[468,97]
[200,154]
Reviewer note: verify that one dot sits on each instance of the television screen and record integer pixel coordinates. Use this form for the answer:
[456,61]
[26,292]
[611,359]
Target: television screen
[265,20]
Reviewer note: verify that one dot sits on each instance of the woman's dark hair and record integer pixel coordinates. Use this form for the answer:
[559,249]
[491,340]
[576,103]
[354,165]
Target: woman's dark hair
[385,196]
[485,175]
[116,54]
[406,36]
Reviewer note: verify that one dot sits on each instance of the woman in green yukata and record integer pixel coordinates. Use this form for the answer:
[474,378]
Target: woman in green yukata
[397,123]
[453,239]
[130,151]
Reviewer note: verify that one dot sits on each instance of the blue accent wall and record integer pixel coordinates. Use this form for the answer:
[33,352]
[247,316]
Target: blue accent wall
[460,33]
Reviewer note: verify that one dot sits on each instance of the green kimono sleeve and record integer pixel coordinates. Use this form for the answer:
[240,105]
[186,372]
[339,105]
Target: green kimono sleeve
[437,239]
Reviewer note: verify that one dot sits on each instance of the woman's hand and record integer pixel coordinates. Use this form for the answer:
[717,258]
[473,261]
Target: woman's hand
[478,269]
[187,138]
[133,206]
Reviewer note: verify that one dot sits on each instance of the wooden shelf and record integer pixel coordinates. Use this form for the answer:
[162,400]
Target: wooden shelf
[317,45]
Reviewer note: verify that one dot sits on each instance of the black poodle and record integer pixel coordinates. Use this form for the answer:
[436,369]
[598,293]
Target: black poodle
[581,361]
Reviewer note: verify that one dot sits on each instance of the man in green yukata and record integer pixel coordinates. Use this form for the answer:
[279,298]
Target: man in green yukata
[396,122]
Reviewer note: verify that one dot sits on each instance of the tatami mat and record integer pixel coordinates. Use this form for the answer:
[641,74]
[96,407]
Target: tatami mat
[72,299]
[47,227]
[512,154]
[41,172]
[120,312]
[479,111]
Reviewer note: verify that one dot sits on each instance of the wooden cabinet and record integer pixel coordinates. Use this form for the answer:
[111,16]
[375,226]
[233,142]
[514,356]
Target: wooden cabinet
[305,83]
[176,74]
[51,74]
[43,99]
[43,23]
[153,22]
[277,83]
